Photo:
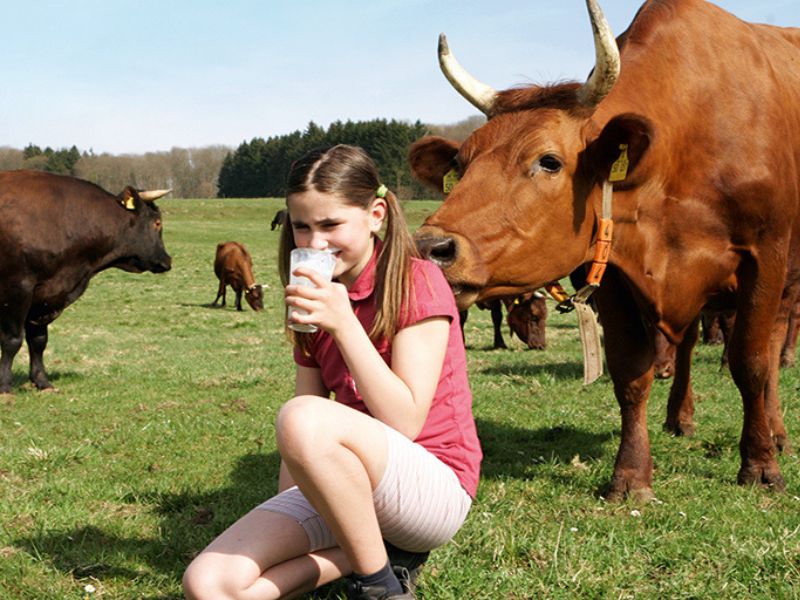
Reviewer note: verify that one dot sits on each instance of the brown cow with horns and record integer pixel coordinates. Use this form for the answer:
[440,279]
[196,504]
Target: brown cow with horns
[707,109]
[56,233]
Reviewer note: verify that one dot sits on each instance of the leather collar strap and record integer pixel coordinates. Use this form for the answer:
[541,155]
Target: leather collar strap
[602,250]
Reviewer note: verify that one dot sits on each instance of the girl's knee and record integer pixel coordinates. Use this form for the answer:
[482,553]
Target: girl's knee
[301,424]
[201,581]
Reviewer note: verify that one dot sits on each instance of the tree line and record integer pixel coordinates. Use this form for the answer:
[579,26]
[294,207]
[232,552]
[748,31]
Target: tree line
[255,169]
[259,167]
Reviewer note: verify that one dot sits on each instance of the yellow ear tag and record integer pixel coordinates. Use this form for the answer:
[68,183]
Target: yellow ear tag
[619,170]
[129,203]
[449,181]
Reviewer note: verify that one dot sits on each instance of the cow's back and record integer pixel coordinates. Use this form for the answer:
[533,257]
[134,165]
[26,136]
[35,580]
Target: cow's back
[723,99]
[719,91]
[45,220]
[231,258]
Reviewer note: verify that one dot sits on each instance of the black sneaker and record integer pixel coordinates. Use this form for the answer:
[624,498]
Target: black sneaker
[357,591]
[406,565]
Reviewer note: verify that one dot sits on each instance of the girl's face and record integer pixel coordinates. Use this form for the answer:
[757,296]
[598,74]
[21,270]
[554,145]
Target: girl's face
[325,221]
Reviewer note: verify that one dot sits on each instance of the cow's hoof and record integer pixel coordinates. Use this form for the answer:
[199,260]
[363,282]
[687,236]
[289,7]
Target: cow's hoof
[680,429]
[42,385]
[619,490]
[765,476]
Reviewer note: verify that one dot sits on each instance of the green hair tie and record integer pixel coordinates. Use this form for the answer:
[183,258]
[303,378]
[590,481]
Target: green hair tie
[381,193]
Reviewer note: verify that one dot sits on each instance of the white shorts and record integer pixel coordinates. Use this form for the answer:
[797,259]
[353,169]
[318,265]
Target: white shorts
[419,501]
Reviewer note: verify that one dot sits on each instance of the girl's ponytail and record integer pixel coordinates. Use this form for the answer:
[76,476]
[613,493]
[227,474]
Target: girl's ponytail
[393,271]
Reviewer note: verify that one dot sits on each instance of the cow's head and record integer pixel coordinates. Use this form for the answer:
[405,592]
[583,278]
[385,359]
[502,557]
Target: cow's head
[143,249]
[524,211]
[255,296]
[527,318]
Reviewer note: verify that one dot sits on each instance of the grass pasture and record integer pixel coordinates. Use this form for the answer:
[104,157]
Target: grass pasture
[161,434]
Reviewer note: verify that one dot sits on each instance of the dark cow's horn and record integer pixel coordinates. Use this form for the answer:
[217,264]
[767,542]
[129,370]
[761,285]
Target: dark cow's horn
[478,93]
[149,196]
[606,68]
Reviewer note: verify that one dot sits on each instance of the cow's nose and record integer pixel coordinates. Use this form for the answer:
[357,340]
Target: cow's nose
[437,249]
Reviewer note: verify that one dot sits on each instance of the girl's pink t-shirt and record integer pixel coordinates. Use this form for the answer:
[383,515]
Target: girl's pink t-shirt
[449,432]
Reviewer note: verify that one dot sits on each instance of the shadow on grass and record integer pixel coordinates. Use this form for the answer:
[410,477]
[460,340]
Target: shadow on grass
[515,452]
[566,371]
[20,381]
[189,520]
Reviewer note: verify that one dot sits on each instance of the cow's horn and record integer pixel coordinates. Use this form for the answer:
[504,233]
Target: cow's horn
[149,196]
[606,68]
[478,93]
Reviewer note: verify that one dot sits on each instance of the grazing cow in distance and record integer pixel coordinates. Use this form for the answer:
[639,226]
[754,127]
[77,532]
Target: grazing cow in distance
[279,219]
[56,233]
[527,318]
[674,171]
[234,267]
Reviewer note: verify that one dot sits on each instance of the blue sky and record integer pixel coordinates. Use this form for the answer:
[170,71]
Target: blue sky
[145,75]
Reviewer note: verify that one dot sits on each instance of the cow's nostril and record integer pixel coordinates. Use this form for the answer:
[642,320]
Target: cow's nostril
[442,250]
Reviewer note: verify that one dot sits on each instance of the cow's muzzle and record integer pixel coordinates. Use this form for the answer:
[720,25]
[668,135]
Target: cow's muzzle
[441,250]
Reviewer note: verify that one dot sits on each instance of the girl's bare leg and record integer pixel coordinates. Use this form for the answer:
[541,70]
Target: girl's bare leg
[263,556]
[337,457]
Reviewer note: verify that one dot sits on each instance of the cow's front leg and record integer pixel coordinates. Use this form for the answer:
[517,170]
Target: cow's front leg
[750,360]
[12,319]
[630,356]
[680,406]
[36,337]
[10,343]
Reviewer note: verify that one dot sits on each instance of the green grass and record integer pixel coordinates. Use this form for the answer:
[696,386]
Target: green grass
[161,434]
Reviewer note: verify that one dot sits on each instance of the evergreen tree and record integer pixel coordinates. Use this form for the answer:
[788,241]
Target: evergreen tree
[259,168]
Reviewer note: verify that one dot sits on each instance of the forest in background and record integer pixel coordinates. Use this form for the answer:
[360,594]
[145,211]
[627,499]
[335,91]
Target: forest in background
[256,168]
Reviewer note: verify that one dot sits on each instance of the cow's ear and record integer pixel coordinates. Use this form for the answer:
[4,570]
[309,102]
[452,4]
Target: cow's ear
[624,138]
[128,198]
[431,158]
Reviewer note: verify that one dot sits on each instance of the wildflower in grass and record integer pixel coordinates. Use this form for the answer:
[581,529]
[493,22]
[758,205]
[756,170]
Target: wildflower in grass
[573,529]
[89,589]
[636,513]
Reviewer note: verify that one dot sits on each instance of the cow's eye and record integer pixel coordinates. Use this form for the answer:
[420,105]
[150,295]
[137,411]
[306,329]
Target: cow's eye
[547,163]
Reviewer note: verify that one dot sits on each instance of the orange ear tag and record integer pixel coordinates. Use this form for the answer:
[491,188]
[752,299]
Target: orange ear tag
[619,170]
[449,181]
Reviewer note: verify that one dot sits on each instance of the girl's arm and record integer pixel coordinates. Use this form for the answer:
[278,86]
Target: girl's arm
[399,396]
[308,382]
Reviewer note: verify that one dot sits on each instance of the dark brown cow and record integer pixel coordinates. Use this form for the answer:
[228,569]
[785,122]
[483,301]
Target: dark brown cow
[705,109]
[527,318]
[234,267]
[56,233]
[279,219]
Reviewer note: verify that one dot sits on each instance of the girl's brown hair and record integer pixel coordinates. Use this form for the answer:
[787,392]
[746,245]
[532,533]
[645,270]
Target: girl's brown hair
[350,174]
